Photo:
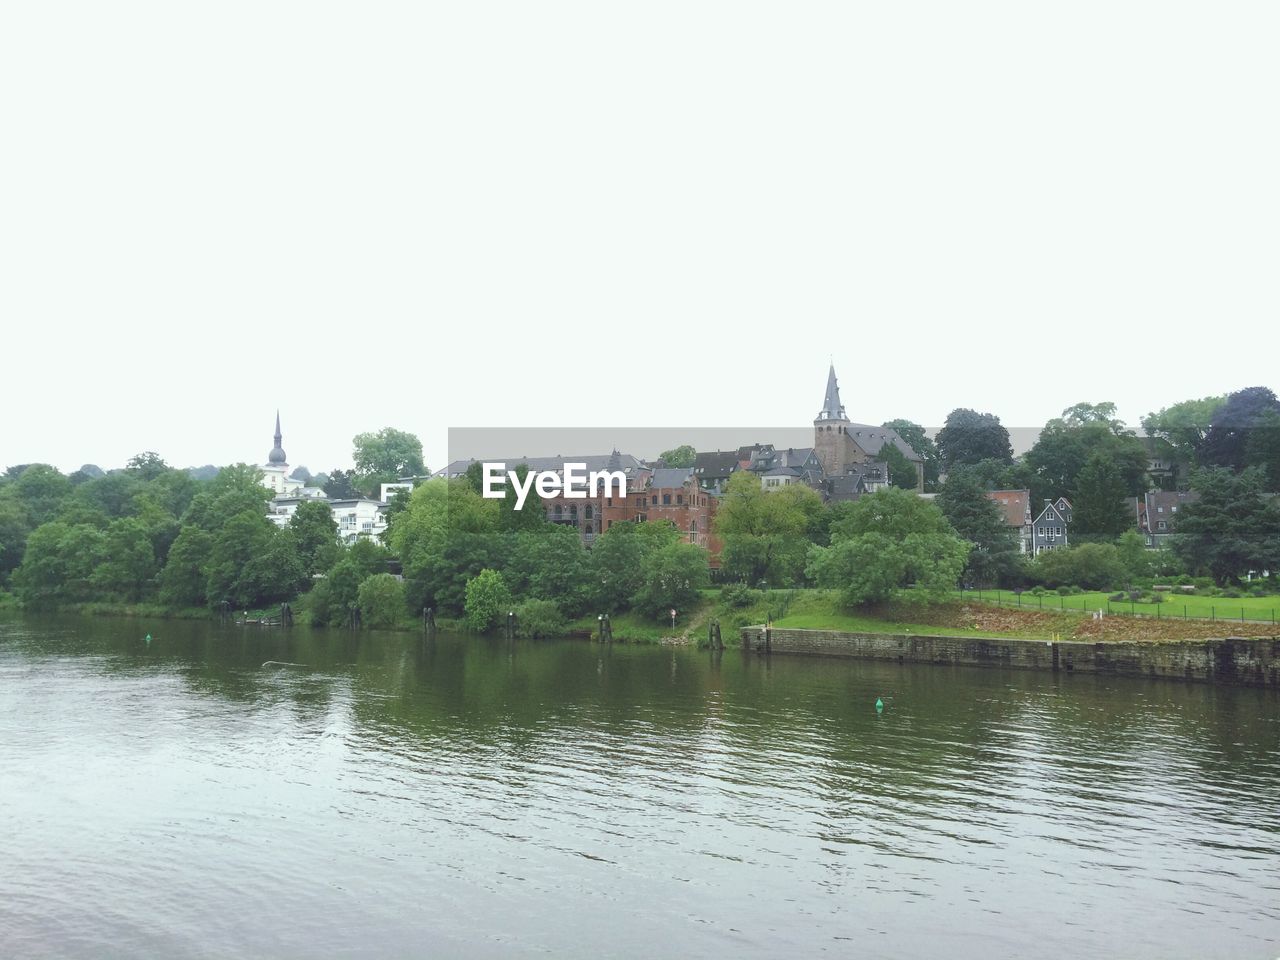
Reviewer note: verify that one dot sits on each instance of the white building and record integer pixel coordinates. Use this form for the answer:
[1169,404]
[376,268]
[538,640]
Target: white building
[356,517]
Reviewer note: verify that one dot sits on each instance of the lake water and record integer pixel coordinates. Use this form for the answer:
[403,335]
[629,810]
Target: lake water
[474,798]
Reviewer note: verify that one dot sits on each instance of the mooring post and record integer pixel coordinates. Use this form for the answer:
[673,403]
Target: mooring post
[511,624]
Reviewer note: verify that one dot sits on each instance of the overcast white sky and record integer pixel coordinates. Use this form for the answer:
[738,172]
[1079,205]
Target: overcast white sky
[428,215]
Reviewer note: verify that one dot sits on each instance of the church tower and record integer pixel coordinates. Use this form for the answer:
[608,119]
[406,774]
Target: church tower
[275,472]
[276,456]
[831,442]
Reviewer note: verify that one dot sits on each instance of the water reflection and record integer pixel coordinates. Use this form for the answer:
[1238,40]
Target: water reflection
[393,795]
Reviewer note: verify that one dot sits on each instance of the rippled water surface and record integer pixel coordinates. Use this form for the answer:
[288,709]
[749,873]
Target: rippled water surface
[471,797]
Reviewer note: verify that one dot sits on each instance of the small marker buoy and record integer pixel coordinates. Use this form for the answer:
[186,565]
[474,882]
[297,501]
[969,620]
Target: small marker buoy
[879,705]
[148,638]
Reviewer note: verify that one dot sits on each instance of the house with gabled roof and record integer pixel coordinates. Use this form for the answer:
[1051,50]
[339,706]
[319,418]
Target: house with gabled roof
[714,468]
[1015,510]
[1049,529]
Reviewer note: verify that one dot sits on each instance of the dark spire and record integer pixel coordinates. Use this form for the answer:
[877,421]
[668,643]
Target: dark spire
[832,408]
[277,452]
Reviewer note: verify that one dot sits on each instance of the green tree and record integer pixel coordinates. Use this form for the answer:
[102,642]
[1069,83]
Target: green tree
[765,533]
[1262,449]
[341,484]
[235,490]
[900,470]
[112,495]
[386,456]
[278,574]
[616,558]
[147,465]
[58,565]
[13,534]
[381,599]
[488,600]
[40,489]
[970,437]
[1231,529]
[1098,503]
[680,457]
[184,581]
[924,447]
[551,565]
[1227,441]
[252,563]
[316,531]
[889,542]
[995,556]
[1065,445]
[1183,425]
[671,578]
[1135,556]
[333,599]
[531,517]
[128,566]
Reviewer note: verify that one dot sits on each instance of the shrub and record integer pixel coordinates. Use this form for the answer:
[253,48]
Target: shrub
[1095,566]
[738,595]
[381,599]
[487,600]
[539,618]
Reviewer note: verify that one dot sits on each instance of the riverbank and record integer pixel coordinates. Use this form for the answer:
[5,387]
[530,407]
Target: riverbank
[1237,661]
[801,609]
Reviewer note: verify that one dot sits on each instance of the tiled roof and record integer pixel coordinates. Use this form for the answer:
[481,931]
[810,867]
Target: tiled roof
[1014,505]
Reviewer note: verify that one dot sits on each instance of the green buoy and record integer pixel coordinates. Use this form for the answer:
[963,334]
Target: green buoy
[148,638]
[879,705]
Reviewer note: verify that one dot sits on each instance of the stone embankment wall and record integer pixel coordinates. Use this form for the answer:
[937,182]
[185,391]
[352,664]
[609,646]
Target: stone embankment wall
[1247,662]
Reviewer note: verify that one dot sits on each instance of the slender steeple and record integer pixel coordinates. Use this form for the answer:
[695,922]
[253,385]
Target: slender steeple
[832,408]
[277,452]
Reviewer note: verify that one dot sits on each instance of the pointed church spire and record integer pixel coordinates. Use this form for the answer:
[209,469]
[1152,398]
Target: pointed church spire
[277,452]
[832,408]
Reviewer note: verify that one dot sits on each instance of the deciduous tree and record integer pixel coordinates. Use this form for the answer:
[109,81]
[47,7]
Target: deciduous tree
[971,437]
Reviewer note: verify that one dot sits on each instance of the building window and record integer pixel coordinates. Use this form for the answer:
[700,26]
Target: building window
[588,512]
[1161,525]
[666,499]
[655,500]
[559,511]
[588,530]
[679,498]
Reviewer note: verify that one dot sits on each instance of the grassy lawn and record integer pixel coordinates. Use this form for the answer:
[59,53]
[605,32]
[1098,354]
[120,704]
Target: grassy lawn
[1176,605]
[628,627]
